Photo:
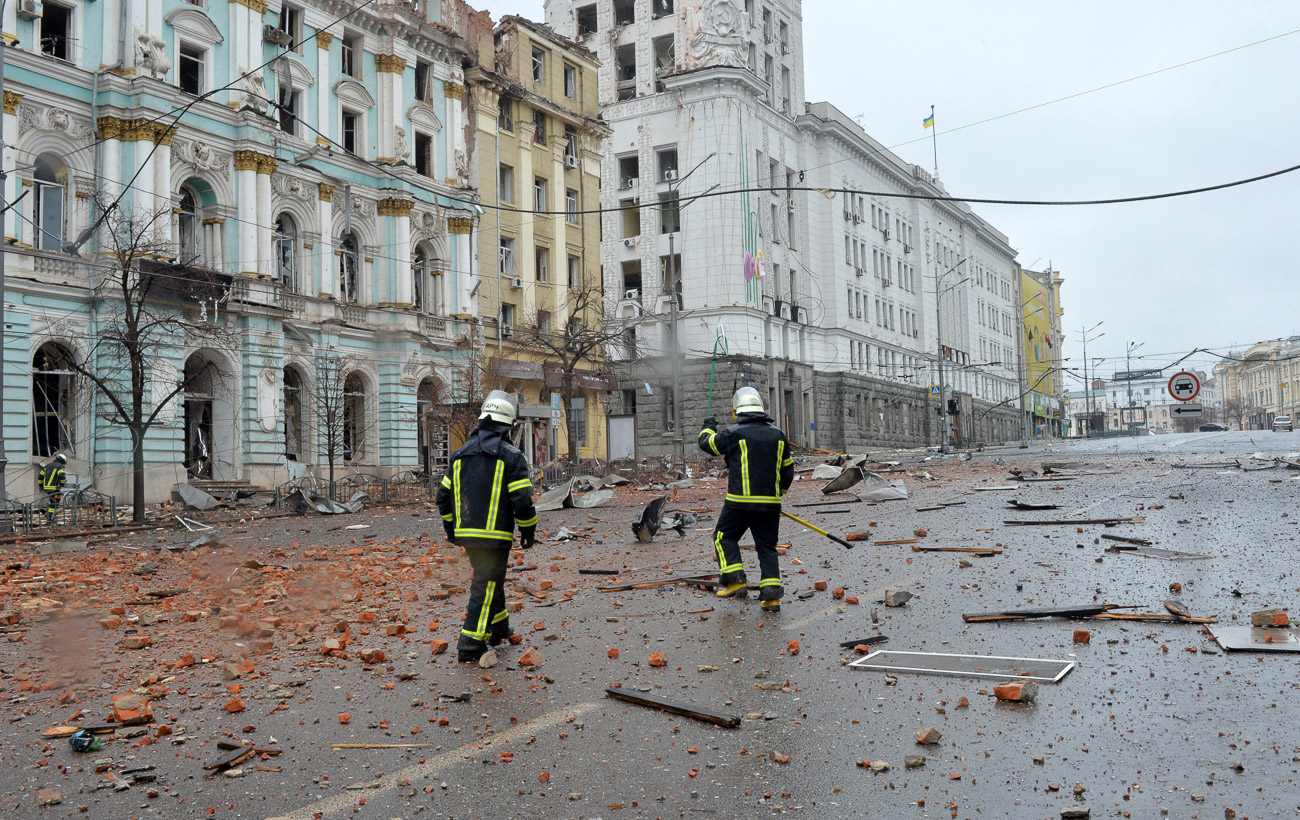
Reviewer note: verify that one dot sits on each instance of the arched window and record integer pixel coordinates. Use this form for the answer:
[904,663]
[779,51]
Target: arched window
[51,178]
[419,279]
[354,418]
[286,252]
[348,268]
[52,401]
[187,228]
[292,414]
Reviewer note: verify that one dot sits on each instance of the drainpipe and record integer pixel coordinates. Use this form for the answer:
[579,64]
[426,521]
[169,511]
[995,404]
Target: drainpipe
[94,300]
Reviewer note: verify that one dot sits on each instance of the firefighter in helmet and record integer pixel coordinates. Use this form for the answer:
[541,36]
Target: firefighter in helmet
[485,494]
[52,478]
[759,471]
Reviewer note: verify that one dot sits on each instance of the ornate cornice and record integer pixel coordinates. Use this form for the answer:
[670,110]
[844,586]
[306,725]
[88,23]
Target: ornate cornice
[326,192]
[454,91]
[11,102]
[323,39]
[460,225]
[389,63]
[394,207]
[133,130]
[258,6]
[267,165]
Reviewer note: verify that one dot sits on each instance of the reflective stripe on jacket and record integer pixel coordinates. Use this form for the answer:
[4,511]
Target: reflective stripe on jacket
[759,466]
[52,478]
[486,492]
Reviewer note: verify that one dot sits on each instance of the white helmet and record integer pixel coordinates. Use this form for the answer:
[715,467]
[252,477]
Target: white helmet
[746,400]
[61,457]
[498,406]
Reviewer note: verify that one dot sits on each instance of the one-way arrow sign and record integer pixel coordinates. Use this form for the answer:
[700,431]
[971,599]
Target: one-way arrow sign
[1187,409]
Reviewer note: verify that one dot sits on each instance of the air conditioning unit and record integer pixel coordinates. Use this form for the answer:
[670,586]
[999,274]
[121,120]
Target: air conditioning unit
[570,161]
[670,175]
[859,271]
[631,183]
[884,283]
[629,242]
[517,282]
[915,333]
[31,9]
[885,231]
[507,331]
[632,294]
[785,49]
[271,34]
[907,249]
[857,218]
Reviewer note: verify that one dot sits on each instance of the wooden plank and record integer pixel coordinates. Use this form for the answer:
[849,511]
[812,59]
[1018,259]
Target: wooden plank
[677,579]
[1055,612]
[972,550]
[381,745]
[851,499]
[1182,614]
[231,760]
[1157,617]
[872,641]
[899,541]
[1141,542]
[675,707]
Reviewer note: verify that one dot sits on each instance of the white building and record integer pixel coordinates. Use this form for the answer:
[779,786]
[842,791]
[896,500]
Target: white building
[826,301]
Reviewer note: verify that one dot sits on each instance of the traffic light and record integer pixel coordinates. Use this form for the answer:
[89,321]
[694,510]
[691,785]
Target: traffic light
[953,409]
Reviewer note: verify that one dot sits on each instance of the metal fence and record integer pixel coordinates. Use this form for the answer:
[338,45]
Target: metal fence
[77,508]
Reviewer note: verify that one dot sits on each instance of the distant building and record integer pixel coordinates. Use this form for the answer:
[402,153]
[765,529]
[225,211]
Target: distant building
[1040,342]
[1260,383]
[1085,412]
[1140,399]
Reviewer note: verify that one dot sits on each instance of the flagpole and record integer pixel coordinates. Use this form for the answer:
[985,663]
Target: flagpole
[934,140]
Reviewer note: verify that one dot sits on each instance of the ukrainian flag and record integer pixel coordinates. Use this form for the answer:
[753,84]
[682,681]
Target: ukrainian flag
[928,122]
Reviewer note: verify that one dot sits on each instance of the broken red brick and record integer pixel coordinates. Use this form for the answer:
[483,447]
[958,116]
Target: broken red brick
[1022,691]
[838,592]
[531,659]
[372,655]
[963,702]
[137,641]
[438,645]
[820,586]
[129,710]
[612,653]
[927,735]
[851,601]
[792,647]
[110,623]
[516,639]
[366,617]
[395,630]
[920,533]
[344,717]
[234,705]
[1175,587]
[1270,617]
[1082,636]
[658,659]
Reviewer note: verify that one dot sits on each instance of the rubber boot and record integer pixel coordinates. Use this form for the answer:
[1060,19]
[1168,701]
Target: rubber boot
[772,605]
[736,590]
[500,633]
[469,650]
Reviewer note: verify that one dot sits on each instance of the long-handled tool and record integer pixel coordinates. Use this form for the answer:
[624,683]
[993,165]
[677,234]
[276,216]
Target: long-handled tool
[796,519]
[719,337]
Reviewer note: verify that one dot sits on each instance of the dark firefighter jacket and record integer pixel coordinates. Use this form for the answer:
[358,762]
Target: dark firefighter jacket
[53,477]
[486,491]
[759,466]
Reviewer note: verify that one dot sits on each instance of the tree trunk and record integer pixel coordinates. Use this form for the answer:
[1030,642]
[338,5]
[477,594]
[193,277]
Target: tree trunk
[571,423]
[137,476]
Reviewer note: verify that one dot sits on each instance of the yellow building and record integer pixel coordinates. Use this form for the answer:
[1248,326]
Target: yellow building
[1041,337]
[535,161]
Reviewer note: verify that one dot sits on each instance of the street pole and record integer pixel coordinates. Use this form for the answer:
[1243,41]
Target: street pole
[943,411]
[679,451]
[1022,379]
[4,207]
[1087,385]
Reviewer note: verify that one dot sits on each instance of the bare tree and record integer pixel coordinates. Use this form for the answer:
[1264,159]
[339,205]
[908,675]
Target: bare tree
[147,302]
[583,335]
[340,413]
[1234,410]
[470,379]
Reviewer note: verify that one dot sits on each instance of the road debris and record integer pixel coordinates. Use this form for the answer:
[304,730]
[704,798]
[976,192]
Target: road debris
[676,707]
[897,597]
[651,518]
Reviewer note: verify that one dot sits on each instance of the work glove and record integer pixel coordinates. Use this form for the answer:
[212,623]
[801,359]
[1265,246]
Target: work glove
[711,423]
[527,537]
[450,529]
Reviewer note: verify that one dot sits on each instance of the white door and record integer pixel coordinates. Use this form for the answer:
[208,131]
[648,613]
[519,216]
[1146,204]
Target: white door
[622,437]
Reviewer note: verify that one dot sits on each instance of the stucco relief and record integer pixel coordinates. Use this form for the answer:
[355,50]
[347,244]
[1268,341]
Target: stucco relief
[716,34]
[431,222]
[202,157]
[294,188]
[151,54]
[34,118]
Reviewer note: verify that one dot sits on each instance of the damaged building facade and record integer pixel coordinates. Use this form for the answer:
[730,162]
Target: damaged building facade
[323,199]
[840,307]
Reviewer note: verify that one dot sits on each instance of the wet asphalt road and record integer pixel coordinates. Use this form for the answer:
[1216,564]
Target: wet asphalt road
[1154,720]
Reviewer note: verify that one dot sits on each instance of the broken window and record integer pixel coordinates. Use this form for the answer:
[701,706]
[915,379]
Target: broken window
[187,227]
[539,66]
[587,20]
[190,69]
[660,8]
[669,212]
[423,154]
[292,414]
[539,127]
[354,417]
[668,164]
[505,114]
[56,31]
[348,268]
[50,177]
[625,71]
[570,81]
[632,281]
[52,400]
[665,59]
[629,172]
[624,12]
[419,275]
[286,252]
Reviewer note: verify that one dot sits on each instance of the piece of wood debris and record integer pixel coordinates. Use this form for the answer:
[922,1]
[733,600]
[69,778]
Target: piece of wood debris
[676,707]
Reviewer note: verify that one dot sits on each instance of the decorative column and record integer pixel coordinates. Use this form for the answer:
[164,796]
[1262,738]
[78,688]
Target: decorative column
[145,162]
[460,228]
[214,242]
[400,211]
[265,219]
[394,142]
[164,197]
[245,40]
[110,131]
[455,131]
[325,247]
[323,40]
[246,165]
[13,184]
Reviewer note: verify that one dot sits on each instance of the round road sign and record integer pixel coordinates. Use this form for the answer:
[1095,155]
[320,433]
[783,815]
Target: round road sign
[1184,386]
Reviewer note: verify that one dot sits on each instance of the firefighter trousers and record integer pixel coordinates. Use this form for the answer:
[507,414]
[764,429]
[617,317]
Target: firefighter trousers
[765,524]
[486,613]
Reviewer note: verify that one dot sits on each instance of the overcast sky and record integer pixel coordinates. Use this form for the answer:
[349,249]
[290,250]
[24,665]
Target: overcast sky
[1210,271]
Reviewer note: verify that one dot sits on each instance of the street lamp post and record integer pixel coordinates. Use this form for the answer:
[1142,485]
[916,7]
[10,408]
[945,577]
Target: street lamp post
[1128,373]
[938,327]
[679,447]
[1087,385]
